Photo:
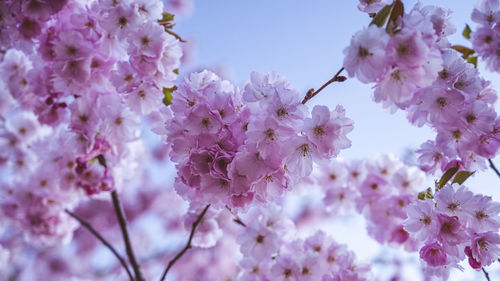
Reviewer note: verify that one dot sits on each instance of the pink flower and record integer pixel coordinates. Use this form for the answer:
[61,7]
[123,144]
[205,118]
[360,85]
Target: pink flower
[472,262]
[120,19]
[24,126]
[422,222]
[451,230]
[268,135]
[299,156]
[262,86]
[372,6]
[433,254]
[84,118]
[453,200]
[208,231]
[365,57]
[485,248]
[328,130]
[119,123]
[285,269]
[483,214]
[408,49]
[258,242]
[439,104]
[145,99]
[408,180]
[253,270]
[486,12]
[398,85]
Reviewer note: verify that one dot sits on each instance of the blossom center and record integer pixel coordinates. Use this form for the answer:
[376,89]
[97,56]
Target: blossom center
[304,149]
[441,101]
[269,134]
[260,239]
[318,131]
[363,52]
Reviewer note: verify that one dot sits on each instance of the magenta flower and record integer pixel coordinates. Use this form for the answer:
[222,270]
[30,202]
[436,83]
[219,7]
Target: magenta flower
[433,254]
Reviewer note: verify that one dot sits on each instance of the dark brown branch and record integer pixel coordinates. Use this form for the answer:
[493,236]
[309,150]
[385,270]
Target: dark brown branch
[239,221]
[493,167]
[336,78]
[120,215]
[486,274]
[92,230]
[236,219]
[188,244]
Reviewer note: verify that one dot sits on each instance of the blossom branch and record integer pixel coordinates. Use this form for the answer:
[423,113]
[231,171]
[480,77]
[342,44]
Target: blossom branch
[486,274]
[175,35]
[236,219]
[493,167]
[92,230]
[336,78]
[120,214]
[239,221]
[188,244]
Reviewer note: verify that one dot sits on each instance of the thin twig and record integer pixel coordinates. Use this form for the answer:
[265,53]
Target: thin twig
[92,230]
[236,219]
[486,274]
[188,244]
[336,78]
[167,26]
[239,221]
[493,167]
[120,215]
[175,35]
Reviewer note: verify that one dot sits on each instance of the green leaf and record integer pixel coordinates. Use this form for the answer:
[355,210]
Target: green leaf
[446,177]
[472,60]
[462,176]
[398,11]
[421,195]
[382,16]
[466,32]
[466,52]
[426,194]
[166,17]
[167,93]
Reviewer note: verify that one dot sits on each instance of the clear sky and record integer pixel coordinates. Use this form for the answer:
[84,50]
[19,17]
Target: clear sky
[303,41]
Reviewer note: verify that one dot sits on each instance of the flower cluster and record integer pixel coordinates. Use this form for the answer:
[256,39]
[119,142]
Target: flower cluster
[72,93]
[486,38]
[22,21]
[270,253]
[415,70]
[232,147]
[381,190]
[453,225]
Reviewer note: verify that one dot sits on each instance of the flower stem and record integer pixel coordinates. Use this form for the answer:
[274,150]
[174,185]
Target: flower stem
[188,244]
[336,78]
[120,215]
[493,167]
[92,230]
